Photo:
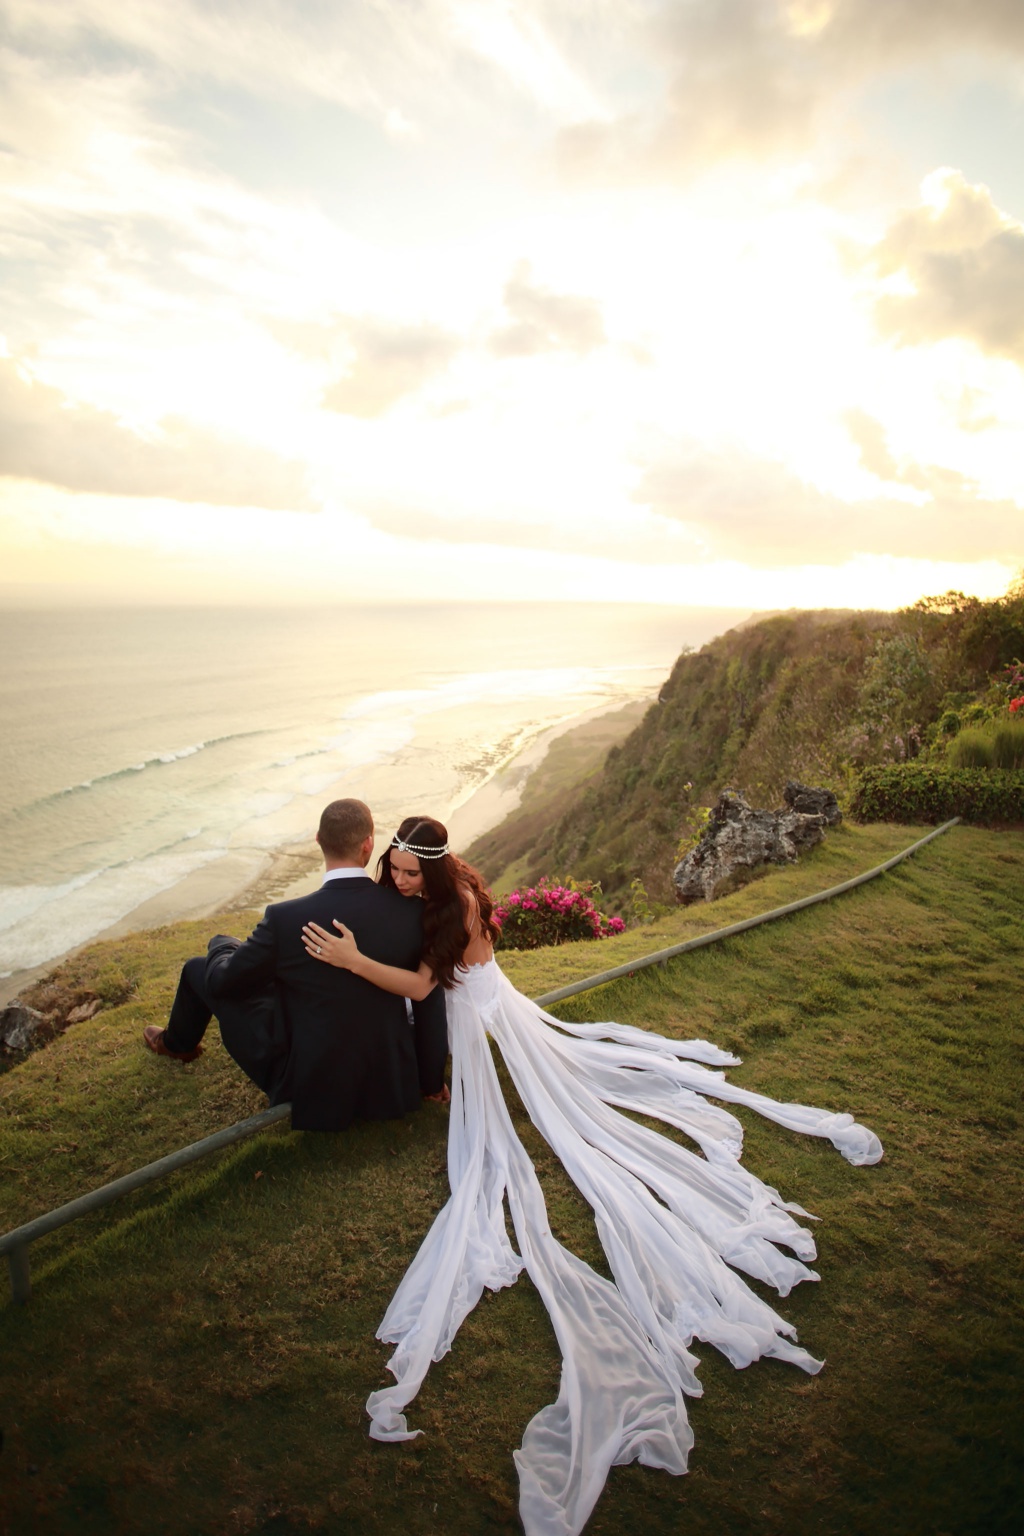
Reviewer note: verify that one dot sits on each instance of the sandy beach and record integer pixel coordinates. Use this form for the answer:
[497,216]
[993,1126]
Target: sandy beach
[294,868]
[245,880]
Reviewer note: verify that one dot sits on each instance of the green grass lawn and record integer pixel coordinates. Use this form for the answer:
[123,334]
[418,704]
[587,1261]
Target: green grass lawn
[196,1358]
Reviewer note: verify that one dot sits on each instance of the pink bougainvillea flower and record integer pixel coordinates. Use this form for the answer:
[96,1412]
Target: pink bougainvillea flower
[547,913]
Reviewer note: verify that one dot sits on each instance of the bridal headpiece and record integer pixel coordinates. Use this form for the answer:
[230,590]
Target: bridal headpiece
[420,851]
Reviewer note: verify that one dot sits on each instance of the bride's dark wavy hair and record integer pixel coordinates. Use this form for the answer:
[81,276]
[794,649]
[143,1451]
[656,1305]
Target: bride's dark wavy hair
[445,935]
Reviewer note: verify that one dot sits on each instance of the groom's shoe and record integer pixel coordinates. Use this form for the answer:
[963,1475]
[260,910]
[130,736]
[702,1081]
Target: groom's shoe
[154,1038]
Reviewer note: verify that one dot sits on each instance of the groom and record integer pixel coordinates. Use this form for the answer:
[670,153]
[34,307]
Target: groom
[331,1043]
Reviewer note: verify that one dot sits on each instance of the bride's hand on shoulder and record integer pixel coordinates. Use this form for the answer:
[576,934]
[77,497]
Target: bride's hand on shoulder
[338,949]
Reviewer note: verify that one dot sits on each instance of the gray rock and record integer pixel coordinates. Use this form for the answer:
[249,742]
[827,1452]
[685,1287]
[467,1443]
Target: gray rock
[737,842]
[812,802]
[22,1028]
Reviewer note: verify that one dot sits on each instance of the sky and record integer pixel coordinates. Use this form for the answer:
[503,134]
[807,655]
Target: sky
[681,301]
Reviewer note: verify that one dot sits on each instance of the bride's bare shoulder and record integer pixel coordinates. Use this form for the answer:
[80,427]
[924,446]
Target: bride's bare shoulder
[470,906]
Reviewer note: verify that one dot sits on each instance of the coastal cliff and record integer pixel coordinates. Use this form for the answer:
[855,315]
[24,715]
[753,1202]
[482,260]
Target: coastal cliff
[814,696]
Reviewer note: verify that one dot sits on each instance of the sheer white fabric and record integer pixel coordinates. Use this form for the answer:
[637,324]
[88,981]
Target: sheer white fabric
[675,1227]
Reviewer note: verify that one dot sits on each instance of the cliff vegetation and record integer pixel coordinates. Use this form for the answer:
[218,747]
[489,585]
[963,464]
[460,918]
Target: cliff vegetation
[816,696]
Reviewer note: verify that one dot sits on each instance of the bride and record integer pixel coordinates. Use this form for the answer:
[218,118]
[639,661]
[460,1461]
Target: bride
[676,1225]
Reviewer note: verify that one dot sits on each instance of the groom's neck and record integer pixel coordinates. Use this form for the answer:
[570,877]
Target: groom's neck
[359,860]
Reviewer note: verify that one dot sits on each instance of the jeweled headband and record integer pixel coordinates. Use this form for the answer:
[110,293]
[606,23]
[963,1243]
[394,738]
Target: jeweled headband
[418,849]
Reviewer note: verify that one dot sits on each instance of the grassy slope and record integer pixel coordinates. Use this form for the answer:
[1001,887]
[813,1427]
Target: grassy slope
[197,1358]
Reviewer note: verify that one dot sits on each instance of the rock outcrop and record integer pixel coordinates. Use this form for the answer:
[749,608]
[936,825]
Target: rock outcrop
[738,841]
[812,802]
[23,1028]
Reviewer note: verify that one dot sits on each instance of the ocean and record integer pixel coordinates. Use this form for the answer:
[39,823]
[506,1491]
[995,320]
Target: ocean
[151,760]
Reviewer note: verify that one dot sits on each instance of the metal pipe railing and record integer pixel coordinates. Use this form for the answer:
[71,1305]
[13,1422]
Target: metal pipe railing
[15,1244]
[662,956]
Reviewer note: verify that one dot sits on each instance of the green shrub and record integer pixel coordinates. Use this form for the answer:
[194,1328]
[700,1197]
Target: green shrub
[971,749]
[693,831]
[931,792]
[641,910]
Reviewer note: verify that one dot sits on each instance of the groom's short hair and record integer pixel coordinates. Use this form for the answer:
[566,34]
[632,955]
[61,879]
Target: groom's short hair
[344,827]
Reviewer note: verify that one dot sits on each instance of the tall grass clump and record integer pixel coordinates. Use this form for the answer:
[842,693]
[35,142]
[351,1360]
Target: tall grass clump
[995,746]
[972,749]
[1008,745]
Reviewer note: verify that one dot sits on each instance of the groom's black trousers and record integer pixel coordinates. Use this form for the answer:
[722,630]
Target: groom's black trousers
[244,1025]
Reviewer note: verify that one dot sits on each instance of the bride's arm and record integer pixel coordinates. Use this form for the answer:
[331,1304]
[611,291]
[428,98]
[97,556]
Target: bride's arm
[343,951]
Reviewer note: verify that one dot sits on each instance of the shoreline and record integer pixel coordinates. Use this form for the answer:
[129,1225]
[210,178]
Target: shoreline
[244,880]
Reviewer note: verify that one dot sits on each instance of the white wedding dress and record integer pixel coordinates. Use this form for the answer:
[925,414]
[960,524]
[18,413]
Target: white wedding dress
[675,1227]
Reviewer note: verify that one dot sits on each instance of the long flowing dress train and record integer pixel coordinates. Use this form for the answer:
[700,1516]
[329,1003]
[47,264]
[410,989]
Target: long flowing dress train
[675,1227]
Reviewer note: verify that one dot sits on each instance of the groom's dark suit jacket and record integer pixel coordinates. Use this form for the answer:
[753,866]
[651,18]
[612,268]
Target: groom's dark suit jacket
[333,1044]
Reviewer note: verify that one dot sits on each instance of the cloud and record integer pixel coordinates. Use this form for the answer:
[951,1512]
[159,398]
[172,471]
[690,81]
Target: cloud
[964,258]
[742,507]
[408,522]
[347,53]
[382,61]
[757,77]
[387,362]
[509,521]
[519,45]
[111,216]
[739,506]
[974,412]
[46,437]
[868,436]
[959,514]
[541,320]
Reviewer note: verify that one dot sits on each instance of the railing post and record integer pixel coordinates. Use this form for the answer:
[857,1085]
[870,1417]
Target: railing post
[21,1285]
